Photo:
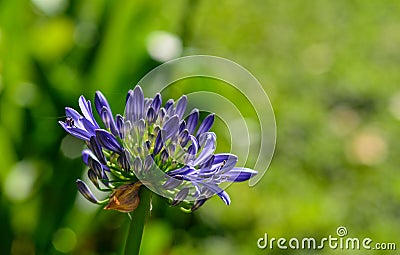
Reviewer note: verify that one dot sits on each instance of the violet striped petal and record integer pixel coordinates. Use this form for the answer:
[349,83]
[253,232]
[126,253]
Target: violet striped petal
[129,106]
[182,125]
[148,163]
[217,190]
[108,141]
[156,104]
[93,178]
[120,125]
[151,116]
[229,163]
[96,150]
[182,194]
[206,124]
[86,154]
[172,183]
[138,103]
[239,174]
[77,132]
[171,127]
[137,165]
[100,101]
[158,144]
[141,126]
[183,137]
[221,157]
[72,113]
[108,120]
[194,143]
[95,165]
[207,151]
[181,106]
[192,150]
[209,162]
[85,191]
[86,109]
[88,126]
[181,171]
[192,120]
[164,156]
[123,160]
[199,202]
[169,104]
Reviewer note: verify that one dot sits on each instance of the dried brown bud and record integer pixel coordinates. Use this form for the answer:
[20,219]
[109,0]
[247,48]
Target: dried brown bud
[125,198]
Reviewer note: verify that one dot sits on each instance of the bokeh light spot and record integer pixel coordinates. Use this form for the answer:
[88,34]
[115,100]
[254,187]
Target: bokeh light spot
[368,147]
[50,7]
[58,41]
[71,147]
[64,240]
[25,94]
[19,182]
[163,46]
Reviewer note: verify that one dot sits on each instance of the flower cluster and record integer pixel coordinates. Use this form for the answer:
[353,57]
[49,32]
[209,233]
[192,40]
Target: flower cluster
[151,145]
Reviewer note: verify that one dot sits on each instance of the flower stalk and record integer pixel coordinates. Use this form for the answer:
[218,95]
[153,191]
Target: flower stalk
[136,226]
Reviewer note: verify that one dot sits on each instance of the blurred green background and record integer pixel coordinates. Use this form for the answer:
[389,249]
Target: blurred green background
[331,69]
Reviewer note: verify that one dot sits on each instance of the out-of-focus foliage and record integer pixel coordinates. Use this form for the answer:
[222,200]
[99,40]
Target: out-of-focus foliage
[331,69]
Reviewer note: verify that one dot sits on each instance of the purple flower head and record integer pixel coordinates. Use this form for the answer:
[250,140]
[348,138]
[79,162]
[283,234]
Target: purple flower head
[154,145]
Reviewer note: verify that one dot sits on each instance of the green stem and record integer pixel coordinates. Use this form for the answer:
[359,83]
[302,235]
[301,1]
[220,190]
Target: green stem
[135,232]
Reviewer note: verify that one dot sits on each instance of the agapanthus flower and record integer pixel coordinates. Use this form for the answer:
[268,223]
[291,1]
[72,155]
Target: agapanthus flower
[152,145]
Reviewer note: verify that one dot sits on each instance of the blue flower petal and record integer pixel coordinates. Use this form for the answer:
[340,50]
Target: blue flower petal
[156,104]
[108,120]
[86,109]
[217,190]
[108,141]
[206,124]
[78,133]
[100,101]
[221,157]
[171,127]
[134,104]
[192,120]
[93,178]
[182,194]
[96,150]
[169,104]
[172,183]
[207,151]
[72,113]
[182,126]
[198,203]
[86,154]
[181,171]
[137,165]
[85,191]
[151,116]
[181,106]
[138,103]
[120,126]
[158,144]
[88,126]
[239,174]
